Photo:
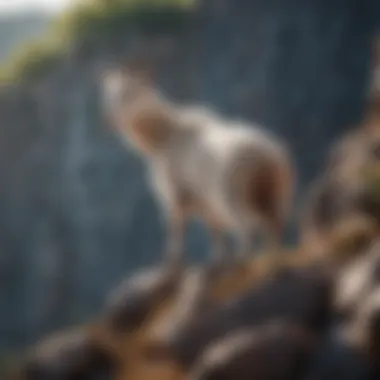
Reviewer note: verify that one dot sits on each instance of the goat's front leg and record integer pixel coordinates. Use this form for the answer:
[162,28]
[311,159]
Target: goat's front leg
[244,240]
[175,244]
[173,211]
[274,232]
[219,241]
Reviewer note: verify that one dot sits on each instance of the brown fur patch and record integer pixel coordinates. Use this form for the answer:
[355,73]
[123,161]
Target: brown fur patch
[151,129]
[269,192]
[263,190]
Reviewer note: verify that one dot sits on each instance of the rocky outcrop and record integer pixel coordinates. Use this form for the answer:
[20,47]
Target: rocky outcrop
[281,326]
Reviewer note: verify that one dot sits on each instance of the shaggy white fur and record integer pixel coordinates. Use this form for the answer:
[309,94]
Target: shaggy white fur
[235,176]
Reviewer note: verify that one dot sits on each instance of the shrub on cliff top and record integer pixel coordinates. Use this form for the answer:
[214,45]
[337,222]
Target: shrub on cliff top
[90,20]
[100,17]
[31,61]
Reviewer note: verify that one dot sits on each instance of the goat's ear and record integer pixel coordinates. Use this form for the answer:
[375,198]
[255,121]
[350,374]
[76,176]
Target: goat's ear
[152,129]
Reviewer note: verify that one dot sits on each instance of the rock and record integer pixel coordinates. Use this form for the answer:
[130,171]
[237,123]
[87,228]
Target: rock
[131,303]
[301,296]
[68,356]
[345,190]
[362,331]
[273,351]
[190,303]
[356,280]
[337,360]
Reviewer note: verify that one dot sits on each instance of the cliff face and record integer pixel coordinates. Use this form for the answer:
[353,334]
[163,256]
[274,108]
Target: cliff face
[77,215]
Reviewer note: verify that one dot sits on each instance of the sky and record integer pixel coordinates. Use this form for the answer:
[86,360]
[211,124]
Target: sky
[12,6]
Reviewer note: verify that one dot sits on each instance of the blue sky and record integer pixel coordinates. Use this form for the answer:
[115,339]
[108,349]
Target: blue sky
[11,6]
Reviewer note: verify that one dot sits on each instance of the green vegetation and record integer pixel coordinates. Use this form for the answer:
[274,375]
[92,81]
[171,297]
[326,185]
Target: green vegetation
[31,61]
[18,28]
[95,20]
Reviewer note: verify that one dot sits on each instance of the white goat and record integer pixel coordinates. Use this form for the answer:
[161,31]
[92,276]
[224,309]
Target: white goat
[235,176]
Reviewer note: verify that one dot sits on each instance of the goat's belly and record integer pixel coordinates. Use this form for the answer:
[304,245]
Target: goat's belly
[207,189]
